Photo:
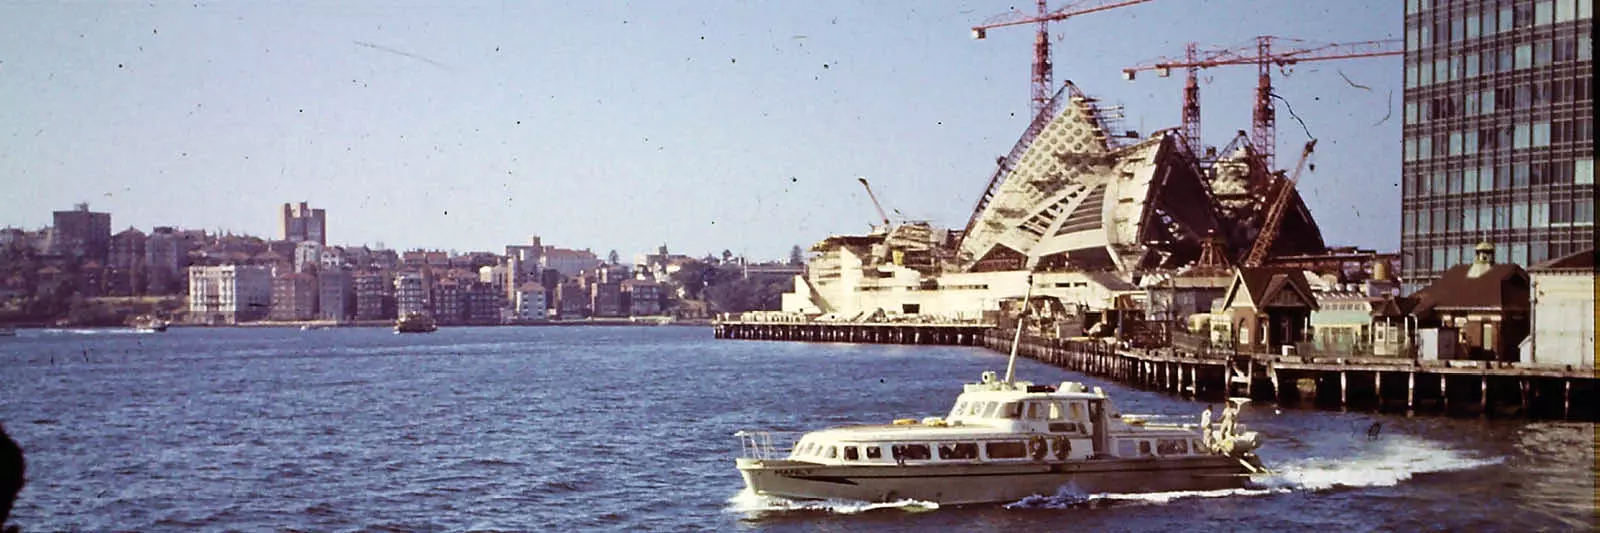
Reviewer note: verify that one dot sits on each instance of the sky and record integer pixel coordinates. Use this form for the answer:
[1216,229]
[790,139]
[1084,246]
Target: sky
[704,125]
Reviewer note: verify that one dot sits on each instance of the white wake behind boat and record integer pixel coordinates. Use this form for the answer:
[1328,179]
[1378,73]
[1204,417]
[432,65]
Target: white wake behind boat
[1003,441]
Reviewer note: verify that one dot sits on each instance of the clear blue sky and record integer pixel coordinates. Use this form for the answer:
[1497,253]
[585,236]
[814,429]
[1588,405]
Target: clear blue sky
[607,125]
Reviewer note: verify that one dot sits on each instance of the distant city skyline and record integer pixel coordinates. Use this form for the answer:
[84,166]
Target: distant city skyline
[624,126]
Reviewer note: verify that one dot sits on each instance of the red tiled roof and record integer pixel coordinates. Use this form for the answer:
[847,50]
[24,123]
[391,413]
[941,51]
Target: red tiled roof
[1456,290]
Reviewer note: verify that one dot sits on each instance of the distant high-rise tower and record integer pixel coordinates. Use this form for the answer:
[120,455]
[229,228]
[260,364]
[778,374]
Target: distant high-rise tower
[1499,133]
[302,223]
[82,233]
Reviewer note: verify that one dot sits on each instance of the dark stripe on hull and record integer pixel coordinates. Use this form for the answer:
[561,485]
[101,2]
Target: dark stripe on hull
[963,484]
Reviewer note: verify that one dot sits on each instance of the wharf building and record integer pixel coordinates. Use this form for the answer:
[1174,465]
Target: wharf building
[1498,133]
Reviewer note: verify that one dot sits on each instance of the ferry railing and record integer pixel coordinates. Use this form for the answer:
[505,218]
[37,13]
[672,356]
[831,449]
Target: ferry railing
[765,444]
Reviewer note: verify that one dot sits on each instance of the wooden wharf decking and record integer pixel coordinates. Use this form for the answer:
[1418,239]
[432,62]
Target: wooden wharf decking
[1363,383]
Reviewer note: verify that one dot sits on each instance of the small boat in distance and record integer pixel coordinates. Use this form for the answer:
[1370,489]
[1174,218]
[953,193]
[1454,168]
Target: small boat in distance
[415,323]
[149,324]
[1003,441]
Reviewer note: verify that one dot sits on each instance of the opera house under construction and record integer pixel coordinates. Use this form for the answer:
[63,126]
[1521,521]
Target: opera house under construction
[1092,212]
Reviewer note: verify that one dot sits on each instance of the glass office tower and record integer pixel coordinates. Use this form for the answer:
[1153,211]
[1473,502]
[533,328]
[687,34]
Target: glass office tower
[1499,133]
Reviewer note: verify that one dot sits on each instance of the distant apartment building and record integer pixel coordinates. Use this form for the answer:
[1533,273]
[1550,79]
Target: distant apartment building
[499,277]
[572,300]
[166,255]
[303,224]
[294,297]
[524,262]
[336,296]
[374,295]
[568,262]
[388,260]
[81,233]
[449,302]
[411,294]
[307,256]
[642,297]
[125,266]
[483,304]
[333,258]
[92,279]
[605,299]
[773,271]
[530,303]
[1498,132]
[229,294]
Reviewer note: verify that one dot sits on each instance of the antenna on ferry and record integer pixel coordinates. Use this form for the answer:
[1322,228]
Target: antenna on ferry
[1011,363]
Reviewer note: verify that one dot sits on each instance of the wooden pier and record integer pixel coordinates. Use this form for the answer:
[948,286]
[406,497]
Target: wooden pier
[1341,383]
[867,333]
[1373,384]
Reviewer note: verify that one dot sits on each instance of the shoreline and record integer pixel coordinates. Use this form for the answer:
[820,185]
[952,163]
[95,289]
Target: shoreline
[385,324]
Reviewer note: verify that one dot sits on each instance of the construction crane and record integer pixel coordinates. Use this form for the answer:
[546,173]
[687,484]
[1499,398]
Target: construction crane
[1043,70]
[874,198]
[1274,220]
[1264,121]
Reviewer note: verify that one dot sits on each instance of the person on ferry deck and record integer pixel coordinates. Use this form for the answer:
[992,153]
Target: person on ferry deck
[1205,426]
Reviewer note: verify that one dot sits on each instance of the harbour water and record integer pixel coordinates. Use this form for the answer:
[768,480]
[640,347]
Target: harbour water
[561,429]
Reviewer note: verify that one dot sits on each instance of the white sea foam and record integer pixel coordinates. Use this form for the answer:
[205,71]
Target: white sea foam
[1394,461]
[748,502]
[1069,498]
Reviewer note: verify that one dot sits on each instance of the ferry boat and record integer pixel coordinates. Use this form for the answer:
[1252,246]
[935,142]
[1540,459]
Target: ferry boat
[149,324]
[415,323]
[1004,440]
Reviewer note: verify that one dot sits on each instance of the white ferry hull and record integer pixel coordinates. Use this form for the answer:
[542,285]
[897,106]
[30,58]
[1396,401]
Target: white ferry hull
[989,483]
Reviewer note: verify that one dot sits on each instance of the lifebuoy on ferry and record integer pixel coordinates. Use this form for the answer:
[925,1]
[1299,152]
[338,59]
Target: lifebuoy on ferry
[1036,447]
[1063,447]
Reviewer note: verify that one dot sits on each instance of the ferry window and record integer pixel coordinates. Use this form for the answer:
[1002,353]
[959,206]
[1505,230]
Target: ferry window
[1015,449]
[1198,445]
[1011,410]
[989,408]
[974,408]
[1055,411]
[1172,447]
[1126,448]
[1033,411]
[833,452]
[874,452]
[1076,410]
[961,409]
[958,450]
[851,454]
[917,452]
[1144,447]
[1063,427]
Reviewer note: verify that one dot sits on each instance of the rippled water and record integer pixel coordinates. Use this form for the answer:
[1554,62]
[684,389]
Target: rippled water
[631,428]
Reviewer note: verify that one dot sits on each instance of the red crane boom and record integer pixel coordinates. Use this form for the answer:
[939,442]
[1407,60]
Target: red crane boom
[1264,121]
[1043,70]
[1275,211]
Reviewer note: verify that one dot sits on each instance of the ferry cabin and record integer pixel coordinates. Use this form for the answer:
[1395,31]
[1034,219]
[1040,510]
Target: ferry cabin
[1002,427]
